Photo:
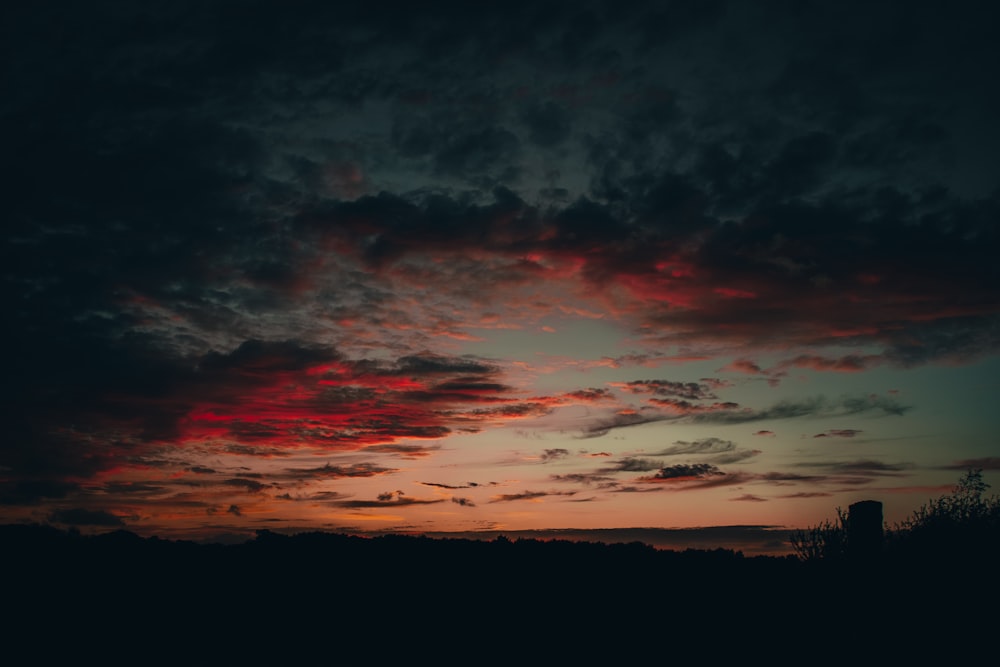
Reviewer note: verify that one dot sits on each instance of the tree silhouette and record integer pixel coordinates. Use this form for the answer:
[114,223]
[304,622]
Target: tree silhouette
[964,524]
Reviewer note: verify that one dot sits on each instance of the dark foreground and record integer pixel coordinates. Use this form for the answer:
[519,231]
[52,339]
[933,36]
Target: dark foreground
[337,599]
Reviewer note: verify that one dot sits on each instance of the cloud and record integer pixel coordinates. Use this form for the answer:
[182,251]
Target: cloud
[85,517]
[839,433]
[586,478]
[447,486]
[818,406]
[404,451]
[33,491]
[732,413]
[986,463]
[328,471]
[604,426]
[206,270]
[554,454]
[701,446]
[633,464]
[389,499]
[250,485]
[685,473]
[528,495]
[749,498]
[590,395]
[736,456]
[693,391]
[863,467]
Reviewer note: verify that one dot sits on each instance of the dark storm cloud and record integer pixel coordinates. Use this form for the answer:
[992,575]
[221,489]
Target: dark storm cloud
[257,356]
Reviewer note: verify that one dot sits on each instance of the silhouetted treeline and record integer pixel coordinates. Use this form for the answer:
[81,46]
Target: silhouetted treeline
[405,595]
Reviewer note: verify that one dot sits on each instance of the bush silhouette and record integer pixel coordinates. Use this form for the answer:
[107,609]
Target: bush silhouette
[962,525]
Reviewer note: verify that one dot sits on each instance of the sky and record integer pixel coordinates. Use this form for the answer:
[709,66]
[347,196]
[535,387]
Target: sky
[692,273]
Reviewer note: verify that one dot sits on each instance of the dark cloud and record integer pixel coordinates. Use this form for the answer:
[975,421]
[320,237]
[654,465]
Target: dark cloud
[548,123]
[253,240]
[337,471]
[732,413]
[585,478]
[819,406]
[736,456]
[604,426]
[986,463]
[749,498]
[137,488]
[591,394]
[404,451]
[447,486]
[633,464]
[30,492]
[528,495]
[554,454]
[256,356]
[692,391]
[85,517]
[864,468]
[249,485]
[391,499]
[839,433]
[687,472]
[702,446]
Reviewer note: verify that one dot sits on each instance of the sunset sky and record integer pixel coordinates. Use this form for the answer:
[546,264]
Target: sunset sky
[594,268]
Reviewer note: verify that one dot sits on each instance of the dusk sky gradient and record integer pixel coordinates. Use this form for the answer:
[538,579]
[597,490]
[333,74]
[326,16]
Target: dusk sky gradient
[691,273]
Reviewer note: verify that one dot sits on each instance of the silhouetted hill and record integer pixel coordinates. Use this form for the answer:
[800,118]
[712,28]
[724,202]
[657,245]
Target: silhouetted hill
[324,591]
